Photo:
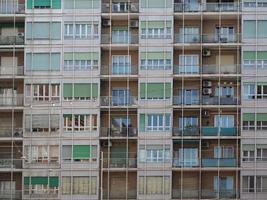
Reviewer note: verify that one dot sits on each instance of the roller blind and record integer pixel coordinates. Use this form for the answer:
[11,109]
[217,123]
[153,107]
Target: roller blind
[42,180]
[142,122]
[56,4]
[155,90]
[41,61]
[44,30]
[262,28]
[155,24]
[249,55]
[251,117]
[80,90]
[155,55]
[249,29]
[81,151]
[156,3]
[67,90]
[81,56]
[82,4]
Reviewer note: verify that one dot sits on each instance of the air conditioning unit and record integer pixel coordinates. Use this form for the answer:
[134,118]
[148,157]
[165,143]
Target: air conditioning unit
[106,22]
[107,144]
[107,5]
[205,145]
[133,8]
[206,52]
[205,113]
[134,23]
[207,84]
[207,91]
[21,34]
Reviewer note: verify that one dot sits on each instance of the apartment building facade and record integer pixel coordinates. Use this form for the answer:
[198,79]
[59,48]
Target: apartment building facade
[133,99]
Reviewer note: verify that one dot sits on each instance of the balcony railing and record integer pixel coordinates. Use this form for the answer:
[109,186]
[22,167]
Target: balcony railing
[119,70]
[223,69]
[10,70]
[121,194]
[120,7]
[180,162]
[9,132]
[11,194]
[214,38]
[183,100]
[207,100]
[119,132]
[11,7]
[222,194]
[192,69]
[186,131]
[16,100]
[218,162]
[11,163]
[207,7]
[11,40]
[185,193]
[216,131]
[119,101]
[123,39]
[120,162]
[187,38]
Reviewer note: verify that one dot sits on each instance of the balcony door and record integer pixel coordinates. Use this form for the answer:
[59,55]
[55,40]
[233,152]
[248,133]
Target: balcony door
[224,184]
[189,64]
[121,64]
[120,35]
[189,96]
[225,33]
[120,125]
[120,96]
[189,34]
[191,5]
[120,7]
[188,157]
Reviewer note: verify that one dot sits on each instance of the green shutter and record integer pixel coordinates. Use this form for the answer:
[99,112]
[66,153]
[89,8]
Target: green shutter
[81,151]
[261,116]
[249,29]
[156,55]
[155,24]
[67,115]
[67,90]
[42,180]
[56,4]
[82,90]
[248,117]
[55,61]
[142,122]
[41,3]
[168,90]
[53,181]
[82,4]
[262,28]
[29,4]
[142,90]
[262,55]
[249,55]
[156,3]
[94,90]
[81,55]
[155,90]
[55,30]
[248,147]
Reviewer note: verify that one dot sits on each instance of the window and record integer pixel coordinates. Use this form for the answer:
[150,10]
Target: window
[80,91]
[151,185]
[120,35]
[156,29]
[82,185]
[43,30]
[43,62]
[224,152]
[155,91]
[158,122]
[255,120]
[41,185]
[188,157]
[224,91]
[79,153]
[42,123]
[80,123]
[7,187]
[253,29]
[224,121]
[249,90]
[81,61]
[223,184]
[120,6]
[154,153]
[261,155]
[121,64]
[188,123]
[252,59]
[225,34]
[189,35]
[188,96]
[248,155]
[261,183]
[120,97]
[156,60]
[43,92]
[261,91]
[158,4]
[188,64]
[81,30]
[42,154]
[248,184]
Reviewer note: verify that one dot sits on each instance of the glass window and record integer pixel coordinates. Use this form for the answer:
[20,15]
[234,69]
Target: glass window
[224,121]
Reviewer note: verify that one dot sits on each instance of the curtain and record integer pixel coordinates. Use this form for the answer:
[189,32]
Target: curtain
[66,185]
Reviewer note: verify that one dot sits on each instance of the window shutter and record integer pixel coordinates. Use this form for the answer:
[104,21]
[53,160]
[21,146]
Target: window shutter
[168,90]
[82,90]
[248,117]
[249,55]
[142,122]
[81,151]
[142,90]
[155,90]
[261,116]
[262,28]
[249,29]
[67,90]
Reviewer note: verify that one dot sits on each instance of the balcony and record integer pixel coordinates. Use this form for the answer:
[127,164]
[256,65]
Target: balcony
[180,162]
[9,132]
[192,69]
[207,100]
[122,39]
[118,132]
[222,194]
[223,69]
[221,7]
[131,194]
[214,38]
[187,38]
[185,193]
[16,100]
[11,194]
[10,70]
[120,7]
[119,70]
[11,7]
[183,100]
[187,7]
[186,131]
[120,162]
[218,162]
[11,40]
[119,101]
[216,131]
[10,163]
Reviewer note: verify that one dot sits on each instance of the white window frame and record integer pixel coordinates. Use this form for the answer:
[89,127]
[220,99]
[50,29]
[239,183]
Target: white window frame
[189,63]
[160,125]
[69,123]
[249,90]
[122,63]
[224,121]
[248,155]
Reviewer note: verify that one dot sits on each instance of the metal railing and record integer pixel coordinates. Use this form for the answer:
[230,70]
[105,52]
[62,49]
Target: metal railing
[186,131]
[119,70]
[11,7]
[16,100]
[187,38]
[131,194]
[7,194]
[182,100]
[212,194]
[11,40]
[124,39]
[223,69]
[11,163]
[118,132]
[206,38]
[11,70]
[185,193]
[119,162]
[218,162]
[118,101]
[208,100]
[9,132]
[192,69]
[207,7]
[120,7]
